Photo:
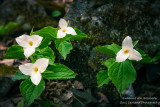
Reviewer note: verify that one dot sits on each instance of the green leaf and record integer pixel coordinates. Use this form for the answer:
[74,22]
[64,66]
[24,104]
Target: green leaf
[102,78]
[47,53]
[21,104]
[48,32]
[30,91]
[135,43]
[56,13]
[18,75]
[58,72]
[2,30]
[63,47]
[112,49]
[122,75]
[14,52]
[10,26]
[145,57]
[156,57]
[80,35]
[45,42]
[108,62]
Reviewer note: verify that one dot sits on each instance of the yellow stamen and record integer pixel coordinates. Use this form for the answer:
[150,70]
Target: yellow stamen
[35,69]
[30,43]
[63,30]
[126,51]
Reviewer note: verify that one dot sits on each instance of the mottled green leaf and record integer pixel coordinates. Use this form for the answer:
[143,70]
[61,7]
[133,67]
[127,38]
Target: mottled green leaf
[112,49]
[58,72]
[47,53]
[45,42]
[145,57]
[14,52]
[20,104]
[10,26]
[63,47]
[108,62]
[122,75]
[48,32]
[135,43]
[80,35]
[30,91]
[18,75]
[102,78]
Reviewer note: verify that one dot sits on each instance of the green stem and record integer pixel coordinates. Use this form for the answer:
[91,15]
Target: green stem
[32,59]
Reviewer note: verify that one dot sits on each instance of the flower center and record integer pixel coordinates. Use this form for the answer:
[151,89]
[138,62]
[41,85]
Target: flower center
[126,51]
[30,43]
[35,69]
[63,30]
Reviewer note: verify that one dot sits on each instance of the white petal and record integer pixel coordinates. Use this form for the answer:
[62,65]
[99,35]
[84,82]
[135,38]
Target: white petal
[36,77]
[62,23]
[60,34]
[36,39]
[71,31]
[127,43]
[26,68]
[42,64]
[134,55]
[29,51]
[23,40]
[121,56]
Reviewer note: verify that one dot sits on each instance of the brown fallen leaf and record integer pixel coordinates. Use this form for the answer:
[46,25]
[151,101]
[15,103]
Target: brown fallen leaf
[77,85]
[102,97]
[8,62]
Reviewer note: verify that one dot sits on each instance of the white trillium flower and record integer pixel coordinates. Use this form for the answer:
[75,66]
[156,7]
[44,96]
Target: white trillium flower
[29,43]
[127,51]
[64,29]
[35,70]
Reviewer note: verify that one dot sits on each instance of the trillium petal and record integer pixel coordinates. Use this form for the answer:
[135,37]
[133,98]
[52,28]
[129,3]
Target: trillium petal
[23,40]
[60,34]
[29,51]
[127,43]
[62,23]
[42,64]
[26,68]
[36,77]
[121,56]
[71,31]
[134,55]
[36,39]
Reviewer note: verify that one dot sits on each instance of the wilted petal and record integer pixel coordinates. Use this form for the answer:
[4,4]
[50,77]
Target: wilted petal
[36,40]
[134,55]
[36,77]
[26,68]
[62,23]
[60,34]
[23,40]
[42,64]
[29,51]
[71,31]
[121,56]
[127,43]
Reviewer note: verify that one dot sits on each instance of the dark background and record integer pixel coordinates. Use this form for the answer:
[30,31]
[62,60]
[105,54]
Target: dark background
[105,21]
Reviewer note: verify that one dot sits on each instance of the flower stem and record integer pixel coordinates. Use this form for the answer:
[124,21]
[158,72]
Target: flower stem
[32,59]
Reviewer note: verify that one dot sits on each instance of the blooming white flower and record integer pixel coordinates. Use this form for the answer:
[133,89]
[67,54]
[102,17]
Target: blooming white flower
[127,51]
[35,70]
[29,43]
[64,29]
